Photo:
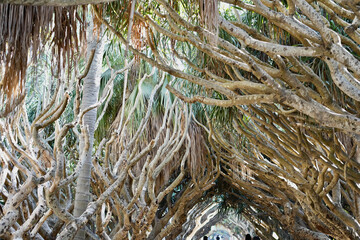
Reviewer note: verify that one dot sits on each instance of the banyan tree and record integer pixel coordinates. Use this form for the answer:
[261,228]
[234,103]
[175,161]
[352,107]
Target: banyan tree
[158,119]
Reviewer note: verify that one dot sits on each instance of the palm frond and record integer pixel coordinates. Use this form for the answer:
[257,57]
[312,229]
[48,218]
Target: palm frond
[25,29]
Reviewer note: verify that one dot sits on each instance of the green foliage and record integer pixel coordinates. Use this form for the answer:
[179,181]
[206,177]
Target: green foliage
[113,106]
[228,198]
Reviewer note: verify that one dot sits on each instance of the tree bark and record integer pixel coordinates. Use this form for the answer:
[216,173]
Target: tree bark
[90,96]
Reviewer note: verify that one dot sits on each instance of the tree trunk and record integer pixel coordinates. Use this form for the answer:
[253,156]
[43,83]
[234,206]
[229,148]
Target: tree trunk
[90,96]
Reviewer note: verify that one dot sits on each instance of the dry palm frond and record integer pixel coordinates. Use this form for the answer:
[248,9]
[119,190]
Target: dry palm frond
[209,13]
[138,36]
[199,152]
[27,28]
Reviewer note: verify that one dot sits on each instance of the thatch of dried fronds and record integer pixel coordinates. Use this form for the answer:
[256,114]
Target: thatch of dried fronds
[209,13]
[138,36]
[199,152]
[27,28]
